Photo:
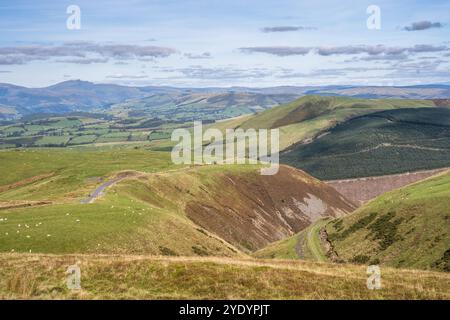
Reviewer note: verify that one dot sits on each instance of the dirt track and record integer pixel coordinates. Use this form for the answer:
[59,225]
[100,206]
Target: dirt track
[361,190]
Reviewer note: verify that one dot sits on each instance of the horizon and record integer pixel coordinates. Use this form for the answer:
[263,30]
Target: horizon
[228,87]
[199,44]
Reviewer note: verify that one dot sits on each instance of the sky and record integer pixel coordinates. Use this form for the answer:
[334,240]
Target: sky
[212,43]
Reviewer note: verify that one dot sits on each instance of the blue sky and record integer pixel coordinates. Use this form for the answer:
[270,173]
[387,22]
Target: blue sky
[225,43]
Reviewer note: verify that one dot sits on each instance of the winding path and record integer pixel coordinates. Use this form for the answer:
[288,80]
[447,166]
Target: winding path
[99,191]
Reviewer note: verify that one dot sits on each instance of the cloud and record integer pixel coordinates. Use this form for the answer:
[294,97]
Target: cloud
[345,50]
[278,51]
[391,57]
[424,69]
[10,60]
[422,25]
[328,72]
[5,71]
[85,61]
[286,29]
[204,55]
[87,52]
[222,72]
[235,73]
[124,76]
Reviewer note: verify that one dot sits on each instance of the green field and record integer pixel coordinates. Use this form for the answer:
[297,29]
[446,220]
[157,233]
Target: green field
[48,141]
[123,221]
[72,173]
[72,131]
[83,139]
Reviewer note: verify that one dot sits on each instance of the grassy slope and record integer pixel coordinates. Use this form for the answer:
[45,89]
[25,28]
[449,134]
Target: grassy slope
[75,173]
[304,245]
[308,116]
[381,143]
[152,212]
[131,277]
[119,222]
[313,241]
[408,227]
[283,249]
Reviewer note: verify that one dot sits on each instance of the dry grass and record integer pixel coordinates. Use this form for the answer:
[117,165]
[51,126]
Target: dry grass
[30,276]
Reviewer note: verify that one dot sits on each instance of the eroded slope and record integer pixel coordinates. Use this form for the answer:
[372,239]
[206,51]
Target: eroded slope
[245,208]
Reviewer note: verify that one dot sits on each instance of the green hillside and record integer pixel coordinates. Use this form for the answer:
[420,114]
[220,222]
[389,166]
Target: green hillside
[408,227]
[41,208]
[379,143]
[150,206]
[65,174]
[307,117]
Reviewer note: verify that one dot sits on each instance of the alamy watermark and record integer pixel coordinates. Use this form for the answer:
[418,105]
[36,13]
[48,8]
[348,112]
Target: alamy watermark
[374,20]
[238,146]
[73,22]
[374,279]
[73,280]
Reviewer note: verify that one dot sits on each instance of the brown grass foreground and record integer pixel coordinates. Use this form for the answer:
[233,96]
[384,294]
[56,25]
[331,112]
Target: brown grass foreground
[34,276]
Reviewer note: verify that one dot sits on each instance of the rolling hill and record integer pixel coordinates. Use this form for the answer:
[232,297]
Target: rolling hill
[380,143]
[208,106]
[308,117]
[158,209]
[77,95]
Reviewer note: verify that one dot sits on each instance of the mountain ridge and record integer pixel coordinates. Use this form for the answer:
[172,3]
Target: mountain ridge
[79,95]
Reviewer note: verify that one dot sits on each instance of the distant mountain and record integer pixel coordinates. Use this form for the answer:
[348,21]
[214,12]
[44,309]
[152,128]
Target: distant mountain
[411,92]
[77,95]
[65,97]
[199,106]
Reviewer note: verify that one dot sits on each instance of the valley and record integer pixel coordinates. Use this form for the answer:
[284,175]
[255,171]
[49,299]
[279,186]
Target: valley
[404,228]
[362,181]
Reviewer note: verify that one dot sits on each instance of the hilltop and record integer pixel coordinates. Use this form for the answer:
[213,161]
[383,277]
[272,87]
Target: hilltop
[308,117]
